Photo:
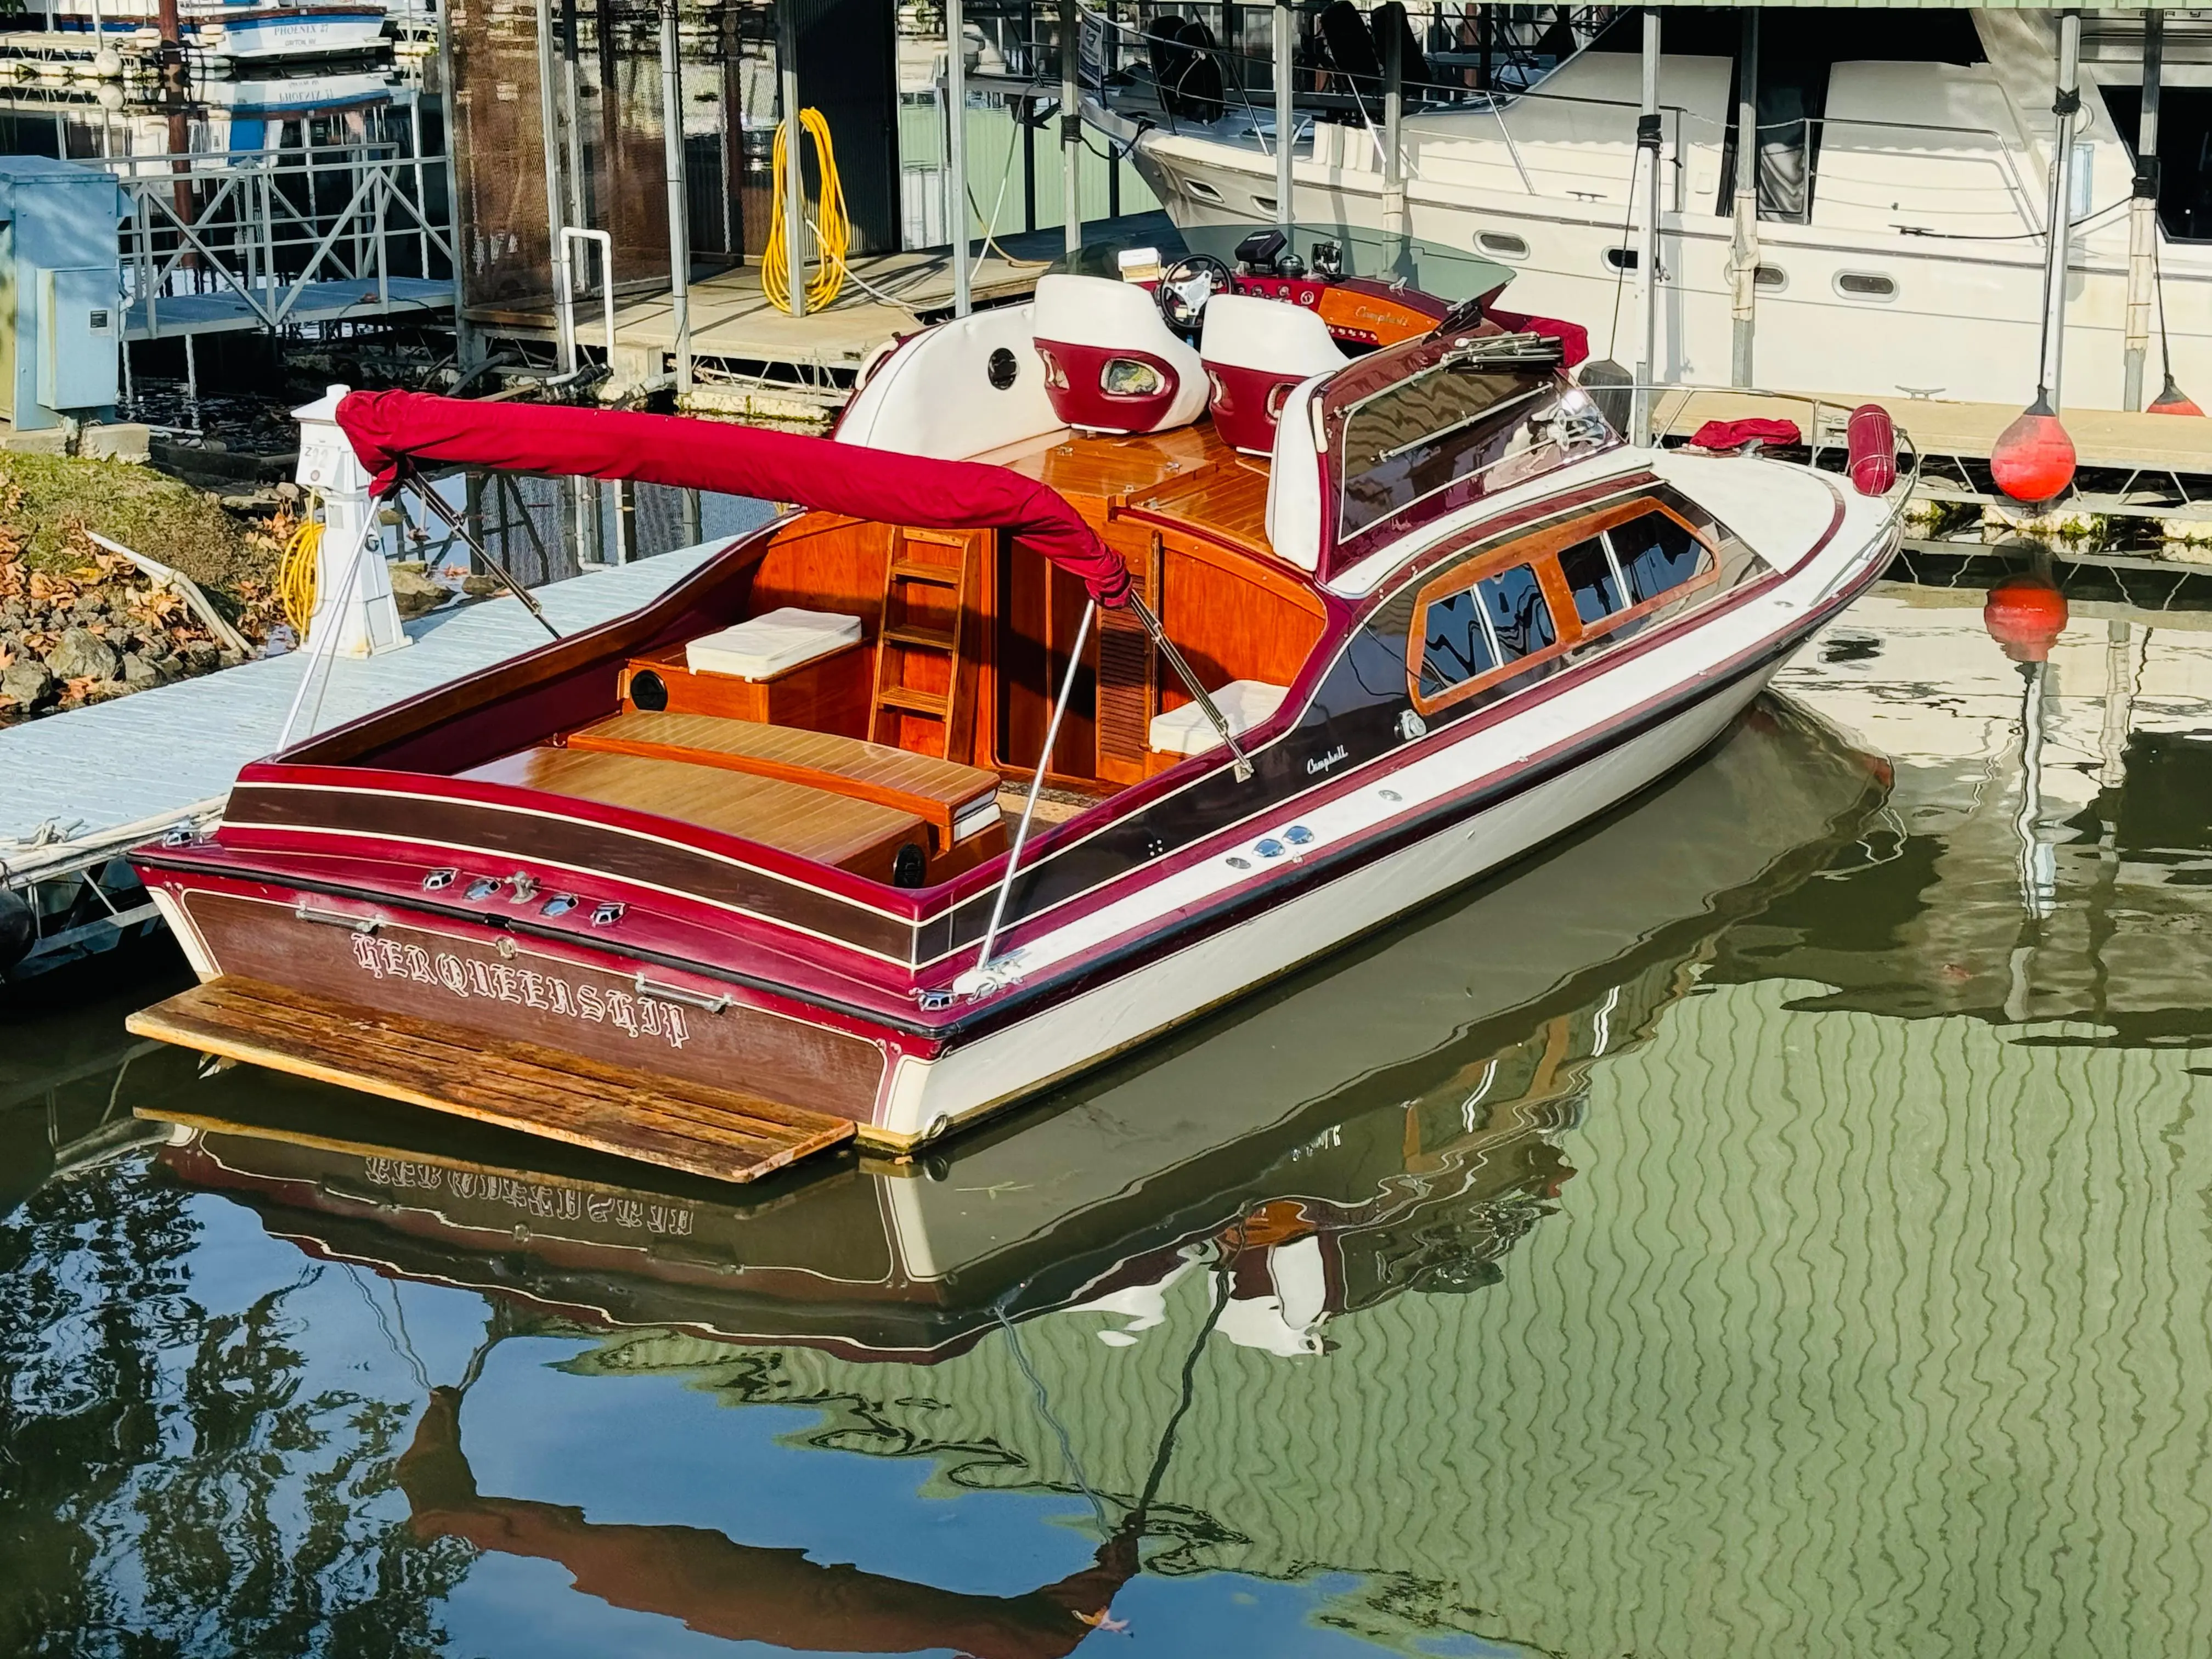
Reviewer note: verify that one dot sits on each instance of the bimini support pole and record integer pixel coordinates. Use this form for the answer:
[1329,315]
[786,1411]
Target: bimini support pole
[2142,216]
[985,977]
[1286,120]
[1647,146]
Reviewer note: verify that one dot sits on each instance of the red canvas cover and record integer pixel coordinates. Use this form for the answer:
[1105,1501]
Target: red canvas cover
[390,431]
[1735,434]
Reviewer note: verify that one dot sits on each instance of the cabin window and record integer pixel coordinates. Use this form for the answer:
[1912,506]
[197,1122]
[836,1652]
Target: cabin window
[1502,244]
[1655,554]
[1866,285]
[1482,628]
[1201,189]
[1621,259]
[1772,276]
[1594,579]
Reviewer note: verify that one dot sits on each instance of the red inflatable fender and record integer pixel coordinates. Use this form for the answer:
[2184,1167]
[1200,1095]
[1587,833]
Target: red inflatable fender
[1871,442]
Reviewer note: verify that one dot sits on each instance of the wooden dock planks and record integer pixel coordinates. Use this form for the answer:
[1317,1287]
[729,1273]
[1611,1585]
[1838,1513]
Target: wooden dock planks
[697,1127]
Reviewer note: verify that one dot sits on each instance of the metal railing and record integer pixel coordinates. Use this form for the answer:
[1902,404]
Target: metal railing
[263,225]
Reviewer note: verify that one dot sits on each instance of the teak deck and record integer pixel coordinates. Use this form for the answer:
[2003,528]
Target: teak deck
[693,1127]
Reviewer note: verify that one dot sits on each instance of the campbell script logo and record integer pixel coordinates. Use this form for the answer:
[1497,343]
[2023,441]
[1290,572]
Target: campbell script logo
[1322,762]
[465,976]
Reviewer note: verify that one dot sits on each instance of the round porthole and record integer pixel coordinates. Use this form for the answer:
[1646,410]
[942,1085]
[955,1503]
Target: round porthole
[648,691]
[1003,368]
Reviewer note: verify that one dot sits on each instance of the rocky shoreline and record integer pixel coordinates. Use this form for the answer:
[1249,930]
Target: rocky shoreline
[101,631]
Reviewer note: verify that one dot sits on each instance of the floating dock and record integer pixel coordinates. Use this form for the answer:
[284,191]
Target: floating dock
[2132,465]
[85,787]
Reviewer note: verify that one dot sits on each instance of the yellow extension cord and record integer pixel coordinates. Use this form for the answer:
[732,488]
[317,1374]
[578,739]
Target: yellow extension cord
[833,229]
[296,572]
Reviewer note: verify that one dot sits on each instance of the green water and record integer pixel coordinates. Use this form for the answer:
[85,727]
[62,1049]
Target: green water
[1774,1222]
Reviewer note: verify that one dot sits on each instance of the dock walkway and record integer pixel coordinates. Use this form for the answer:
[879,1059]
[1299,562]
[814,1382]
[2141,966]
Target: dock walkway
[81,787]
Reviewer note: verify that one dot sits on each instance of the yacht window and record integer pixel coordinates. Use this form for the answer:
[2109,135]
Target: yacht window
[1200,189]
[1866,285]
[1621,259]
[1504,245]
[1466,634]
[1655,554]
[1594,579]
[1769,276]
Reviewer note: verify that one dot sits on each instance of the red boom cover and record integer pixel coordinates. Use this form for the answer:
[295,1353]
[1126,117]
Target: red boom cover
[390,429]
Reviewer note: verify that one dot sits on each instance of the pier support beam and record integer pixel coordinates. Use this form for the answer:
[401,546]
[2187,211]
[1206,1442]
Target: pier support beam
[1743,249]
[1071,127]
[2059,233]
[1647,144]
[794,164]
[1394,139]
[679,213]
[956,151]
[2143,217]
[1287,121]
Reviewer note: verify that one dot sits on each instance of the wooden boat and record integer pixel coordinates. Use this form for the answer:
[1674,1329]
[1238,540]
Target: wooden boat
[1394,1119]
[864,826]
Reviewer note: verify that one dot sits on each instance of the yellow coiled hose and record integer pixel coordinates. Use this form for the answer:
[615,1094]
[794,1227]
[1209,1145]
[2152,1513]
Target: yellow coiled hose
[296,572]
[833,231]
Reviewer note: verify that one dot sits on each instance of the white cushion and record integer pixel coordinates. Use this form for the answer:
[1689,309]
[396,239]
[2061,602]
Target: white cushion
[1244,332]
[770,644]
[1243,703]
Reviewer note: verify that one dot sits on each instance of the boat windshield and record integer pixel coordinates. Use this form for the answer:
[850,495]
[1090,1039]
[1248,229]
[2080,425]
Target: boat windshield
[1439,427]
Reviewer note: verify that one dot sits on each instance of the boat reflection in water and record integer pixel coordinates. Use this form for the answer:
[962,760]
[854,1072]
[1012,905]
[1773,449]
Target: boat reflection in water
[1393,1123]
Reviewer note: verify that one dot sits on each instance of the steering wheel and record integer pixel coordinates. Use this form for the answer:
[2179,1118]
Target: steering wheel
[1186,286]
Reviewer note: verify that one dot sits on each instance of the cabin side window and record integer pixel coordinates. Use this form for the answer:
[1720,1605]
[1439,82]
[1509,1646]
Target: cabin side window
[1479,629]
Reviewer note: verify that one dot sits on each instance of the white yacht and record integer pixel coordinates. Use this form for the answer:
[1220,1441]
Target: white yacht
[1903,175]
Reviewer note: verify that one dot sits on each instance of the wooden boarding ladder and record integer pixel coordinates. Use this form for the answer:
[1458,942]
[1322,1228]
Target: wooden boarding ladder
[923,677]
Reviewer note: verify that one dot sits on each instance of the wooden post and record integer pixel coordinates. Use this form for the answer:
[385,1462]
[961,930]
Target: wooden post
[1743,252]
[2143,218]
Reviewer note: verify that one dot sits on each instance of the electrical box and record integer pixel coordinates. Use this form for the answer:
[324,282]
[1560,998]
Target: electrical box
[61,292]
[80,326]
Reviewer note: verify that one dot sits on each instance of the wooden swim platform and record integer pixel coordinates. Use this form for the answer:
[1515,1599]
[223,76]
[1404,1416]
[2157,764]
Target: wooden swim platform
[696,1128]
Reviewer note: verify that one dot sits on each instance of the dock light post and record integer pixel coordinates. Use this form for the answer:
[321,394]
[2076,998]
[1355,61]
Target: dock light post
[1287,121]
[1743,253]
[679,228]
[2143,217]
[794,164]
[1070,125]
[956,150]
[1647,144]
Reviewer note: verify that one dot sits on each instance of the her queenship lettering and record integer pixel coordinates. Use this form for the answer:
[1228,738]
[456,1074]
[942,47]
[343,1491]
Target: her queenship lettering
[526,988]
